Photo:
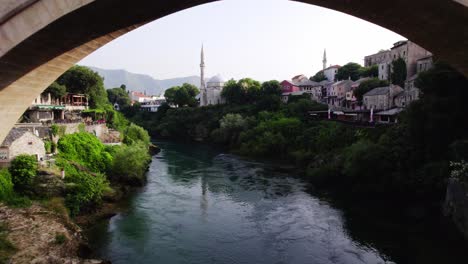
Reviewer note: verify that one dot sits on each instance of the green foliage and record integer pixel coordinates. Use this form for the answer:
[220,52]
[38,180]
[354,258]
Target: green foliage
[56,90]
[130,164]
[351,70]
[17,201]
[182,95]
[57,130]
[54,129]
[120,96]
[272,138]
[85,149]
[367,163]
[398,74]
[246,91]
[135,134]
[368,85]
[81,128]
[318,77]
[82,80]
[60,238]
[6,185]
[372,71]
[84,190]
[231,125]
[48,146]
[23,170]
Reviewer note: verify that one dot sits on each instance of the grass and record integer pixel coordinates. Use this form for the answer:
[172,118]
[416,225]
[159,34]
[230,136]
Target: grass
[7,249]
[18,202]
[60,238]
[57,205]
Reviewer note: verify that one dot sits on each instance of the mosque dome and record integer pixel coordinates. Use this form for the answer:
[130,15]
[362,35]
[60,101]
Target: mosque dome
[216,79]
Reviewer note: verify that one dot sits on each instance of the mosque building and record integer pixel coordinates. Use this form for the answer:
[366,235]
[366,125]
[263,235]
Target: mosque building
[210,94]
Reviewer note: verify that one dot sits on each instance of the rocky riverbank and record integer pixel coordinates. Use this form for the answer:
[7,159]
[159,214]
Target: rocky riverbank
[42,235]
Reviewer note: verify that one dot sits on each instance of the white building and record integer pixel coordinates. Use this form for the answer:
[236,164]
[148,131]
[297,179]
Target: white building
[212,92]
[330,72]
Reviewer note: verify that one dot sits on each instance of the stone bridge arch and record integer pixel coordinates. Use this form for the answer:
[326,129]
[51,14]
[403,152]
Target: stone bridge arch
[41,39]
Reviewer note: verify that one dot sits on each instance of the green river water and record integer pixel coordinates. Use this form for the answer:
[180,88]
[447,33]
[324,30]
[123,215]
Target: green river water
[204,206]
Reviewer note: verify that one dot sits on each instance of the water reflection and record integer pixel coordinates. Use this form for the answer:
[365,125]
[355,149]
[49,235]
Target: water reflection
[204,207]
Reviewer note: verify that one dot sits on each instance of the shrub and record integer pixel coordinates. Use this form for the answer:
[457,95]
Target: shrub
[84,190]
[19,201]
[86,150]
[48,146]
[23,170]
[6,185]
[135,133]
[130,164]
[60,238]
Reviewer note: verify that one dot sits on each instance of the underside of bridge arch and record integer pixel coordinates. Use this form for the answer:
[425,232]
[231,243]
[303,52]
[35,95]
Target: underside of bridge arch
[41,39]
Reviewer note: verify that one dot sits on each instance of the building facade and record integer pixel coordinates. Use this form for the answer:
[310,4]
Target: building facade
[21,141]
[409,51]
[381,98]
[330,72]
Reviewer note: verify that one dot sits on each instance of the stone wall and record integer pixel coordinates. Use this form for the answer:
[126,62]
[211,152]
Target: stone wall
[456,204]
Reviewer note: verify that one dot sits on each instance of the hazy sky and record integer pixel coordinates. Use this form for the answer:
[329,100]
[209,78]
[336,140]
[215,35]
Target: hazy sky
[261,39]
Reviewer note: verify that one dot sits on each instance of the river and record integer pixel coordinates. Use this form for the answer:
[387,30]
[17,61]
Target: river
[203,206]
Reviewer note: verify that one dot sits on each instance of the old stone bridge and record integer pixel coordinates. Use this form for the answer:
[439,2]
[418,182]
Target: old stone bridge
[40,39]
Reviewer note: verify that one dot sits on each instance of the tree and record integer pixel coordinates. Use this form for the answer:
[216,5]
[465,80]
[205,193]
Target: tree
[270,98]
[318,77]
[398,74]
[56,90]
[80,79]
[120,96]
[23,170]
[243,91]
[123,87]
[371,71]
[233,93]
[252,89]
[350,70]
[368,85]
[182,95]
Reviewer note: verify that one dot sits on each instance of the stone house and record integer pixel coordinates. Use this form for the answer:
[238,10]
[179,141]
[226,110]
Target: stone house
[351,100]
[338,91]
[407,50]
[20,141]
[381,98]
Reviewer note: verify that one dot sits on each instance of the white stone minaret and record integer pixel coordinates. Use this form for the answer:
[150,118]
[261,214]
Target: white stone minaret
[203,99]
[202,69]
[324,59]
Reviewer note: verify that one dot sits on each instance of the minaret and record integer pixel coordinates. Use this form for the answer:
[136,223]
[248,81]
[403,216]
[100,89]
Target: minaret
[202,69]
[203,99]
[324,59]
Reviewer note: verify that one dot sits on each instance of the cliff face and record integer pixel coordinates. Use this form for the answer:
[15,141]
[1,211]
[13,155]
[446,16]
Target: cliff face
[456,204]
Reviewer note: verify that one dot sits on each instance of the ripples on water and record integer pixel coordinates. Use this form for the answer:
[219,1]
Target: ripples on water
[203,207]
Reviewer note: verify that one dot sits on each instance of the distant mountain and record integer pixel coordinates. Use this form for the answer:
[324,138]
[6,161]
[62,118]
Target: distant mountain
[142,82]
